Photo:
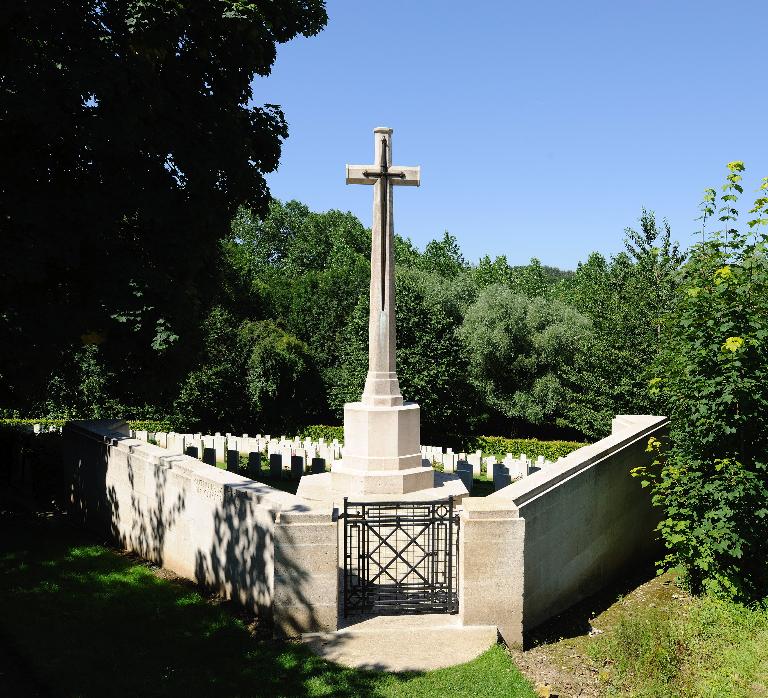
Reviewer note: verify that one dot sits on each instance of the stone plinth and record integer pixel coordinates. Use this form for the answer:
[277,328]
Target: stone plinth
[318,488]
[382,458]
[382,454]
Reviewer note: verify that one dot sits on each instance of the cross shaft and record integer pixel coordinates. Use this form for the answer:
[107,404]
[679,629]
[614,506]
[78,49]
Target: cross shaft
[381,386]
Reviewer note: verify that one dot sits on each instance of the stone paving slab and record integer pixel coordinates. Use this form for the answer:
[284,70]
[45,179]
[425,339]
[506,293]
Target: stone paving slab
[403,643]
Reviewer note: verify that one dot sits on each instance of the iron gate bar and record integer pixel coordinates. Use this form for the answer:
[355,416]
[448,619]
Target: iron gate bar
[400,557]
[399,554]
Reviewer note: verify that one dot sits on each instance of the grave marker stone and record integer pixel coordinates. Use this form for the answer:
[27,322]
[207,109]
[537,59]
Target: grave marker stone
[275,466]
[254,465]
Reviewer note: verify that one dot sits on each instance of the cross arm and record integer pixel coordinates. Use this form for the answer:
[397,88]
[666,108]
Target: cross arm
[355,174]
[368,174]
[411,178]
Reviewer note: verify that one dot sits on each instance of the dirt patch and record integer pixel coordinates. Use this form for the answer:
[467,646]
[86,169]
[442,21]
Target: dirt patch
[556,655]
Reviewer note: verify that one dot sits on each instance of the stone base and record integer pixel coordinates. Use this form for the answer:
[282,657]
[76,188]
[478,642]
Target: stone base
[381,437]
[319,488]
[353,481]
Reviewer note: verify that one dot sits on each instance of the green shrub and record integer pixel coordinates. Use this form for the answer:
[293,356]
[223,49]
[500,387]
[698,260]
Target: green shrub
[499,446]
[711,479]
[322,431]
[150,424]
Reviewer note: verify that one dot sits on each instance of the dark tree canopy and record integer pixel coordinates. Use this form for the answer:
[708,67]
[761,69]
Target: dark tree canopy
[128,142]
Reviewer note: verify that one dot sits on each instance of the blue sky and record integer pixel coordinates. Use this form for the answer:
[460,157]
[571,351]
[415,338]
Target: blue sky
[541,128]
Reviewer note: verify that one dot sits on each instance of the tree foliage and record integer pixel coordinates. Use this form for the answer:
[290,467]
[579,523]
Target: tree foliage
[625,298]
[711,479]
[518,348]
[133,139]
[251,374]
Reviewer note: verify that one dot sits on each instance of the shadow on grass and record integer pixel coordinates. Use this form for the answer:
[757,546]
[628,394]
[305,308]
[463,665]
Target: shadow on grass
[89,621]
[482,487]
[83,620]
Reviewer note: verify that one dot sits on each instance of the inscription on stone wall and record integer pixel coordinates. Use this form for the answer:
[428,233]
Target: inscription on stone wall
[212,491]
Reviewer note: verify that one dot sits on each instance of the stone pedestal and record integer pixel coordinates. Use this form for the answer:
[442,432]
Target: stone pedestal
[382,460]
[382,454]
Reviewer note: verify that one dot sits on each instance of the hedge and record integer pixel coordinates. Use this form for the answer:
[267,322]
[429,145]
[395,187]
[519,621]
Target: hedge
[499,446]
[135,424]
[150,425]
[322,431]
[15,422]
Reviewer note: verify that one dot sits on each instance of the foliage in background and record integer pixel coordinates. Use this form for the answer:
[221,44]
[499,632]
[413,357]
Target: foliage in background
[625,299]
[134,139]
[483,348]
[711,479]
[253,377]
[518,349]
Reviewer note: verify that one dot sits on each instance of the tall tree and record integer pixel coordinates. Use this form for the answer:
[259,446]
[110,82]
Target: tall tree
[518,350]
[625,298]
[133,138]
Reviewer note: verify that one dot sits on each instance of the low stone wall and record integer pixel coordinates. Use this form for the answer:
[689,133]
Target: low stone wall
[269,550]
[546,542]
[526,553]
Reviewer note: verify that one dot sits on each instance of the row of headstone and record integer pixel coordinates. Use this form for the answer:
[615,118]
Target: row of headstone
[225,448]
[285,459]
[515,467]
[245,444]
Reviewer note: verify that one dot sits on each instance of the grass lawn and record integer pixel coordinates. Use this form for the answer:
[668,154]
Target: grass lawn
[79,619]
[646,637]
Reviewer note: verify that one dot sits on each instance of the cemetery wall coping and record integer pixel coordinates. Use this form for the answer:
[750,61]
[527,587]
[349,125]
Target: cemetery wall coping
[116,433]
[633,429]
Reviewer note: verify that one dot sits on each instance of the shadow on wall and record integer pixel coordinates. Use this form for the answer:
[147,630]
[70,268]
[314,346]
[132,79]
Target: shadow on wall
[213,527]
[144,529]
[249,560]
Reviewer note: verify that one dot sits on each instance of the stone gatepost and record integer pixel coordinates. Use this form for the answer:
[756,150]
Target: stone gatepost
[491,539]
[306,577]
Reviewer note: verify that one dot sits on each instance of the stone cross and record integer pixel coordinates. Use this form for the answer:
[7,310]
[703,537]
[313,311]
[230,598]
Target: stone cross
[381,385]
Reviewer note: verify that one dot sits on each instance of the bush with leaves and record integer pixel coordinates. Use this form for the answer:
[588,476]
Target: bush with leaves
[253,377]
[518,349]
[711,479]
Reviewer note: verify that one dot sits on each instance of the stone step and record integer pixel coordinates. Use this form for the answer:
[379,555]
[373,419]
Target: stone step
[403,643]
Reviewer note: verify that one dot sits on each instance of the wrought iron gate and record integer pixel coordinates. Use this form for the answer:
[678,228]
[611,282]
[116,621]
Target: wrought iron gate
[400,557]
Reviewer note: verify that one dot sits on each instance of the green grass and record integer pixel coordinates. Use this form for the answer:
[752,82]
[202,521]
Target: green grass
[699,648]
[482,486]
[82,620]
